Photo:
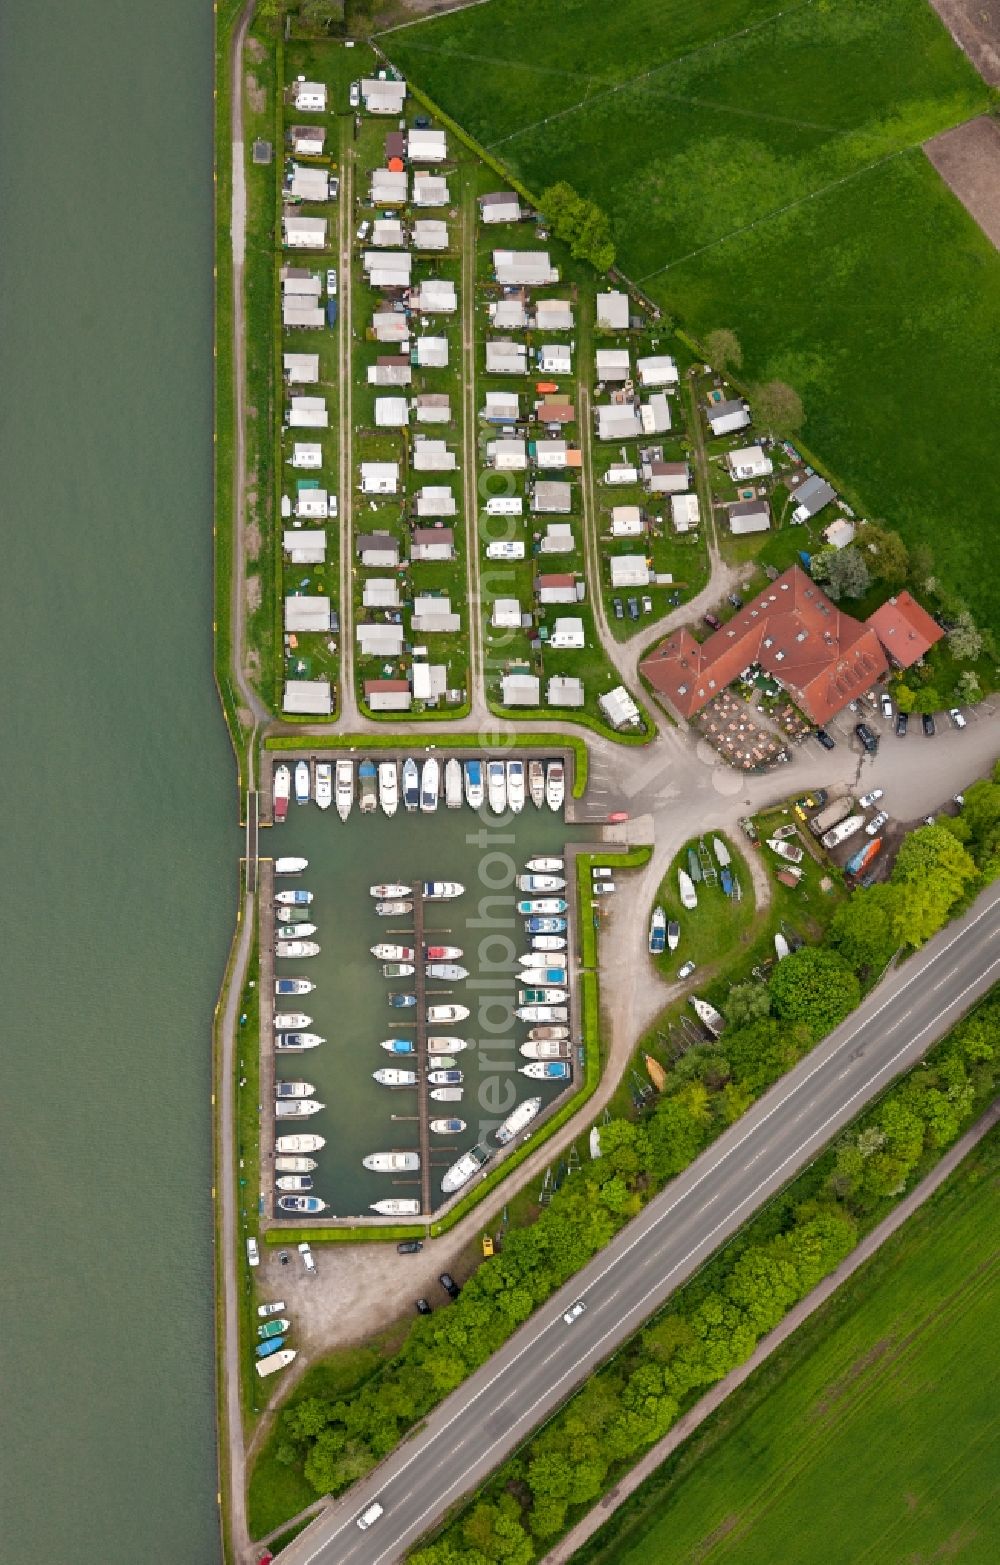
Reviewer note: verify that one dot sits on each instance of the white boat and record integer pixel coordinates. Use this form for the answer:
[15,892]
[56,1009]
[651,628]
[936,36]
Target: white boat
[295,931]
[368,779]
[548,942]
[449,970]
[542,1013]
[722,855]
[296,1042]
[392,1162]
[496,786]
[443,1045]
[515,786]
[545,1049]
[555,785]
[396,1206]
[595,1141]
[444,1078]
[293,986]
[389,1076]
[542,907]
[545,866]
[657,932]
[392,953]
[467,1166]
[442,953]
[447,1127]
[300,1143]
[673,935]
[430,781]
[282,787]
[781,947]
[393,909]
[343,793]
[787,850]
[453,785]
[547,995]
[548,1034]
[389,889]
[297,898]
[296,1108]
[518,1121]
[299,1184]
[293,1089]
[535,961]
[324,784]
[441,890]
[541,883]
[446,1094]
[301,1203]
[472,773]
[388,787]
[708,1016]
[294,1165]
[689,897]
[296,948]
[398,969]
[293,1021]
[290,866]
[274,1362]
[447,1013]
[546,1070]
[411,784]
[536,785]
[302,782]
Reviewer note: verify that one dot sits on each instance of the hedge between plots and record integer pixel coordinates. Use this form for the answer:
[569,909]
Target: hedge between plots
[539,714]
[461,741]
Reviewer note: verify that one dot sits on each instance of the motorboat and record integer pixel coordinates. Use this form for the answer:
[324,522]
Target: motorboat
[545,865]
[442,953]
[389,889]
[298,1183]
[540,883]
[542,996]
[273,1328]
[293,986]
[536,785]
[401,1000]
[441,890]
[543,942]
[447,1127]
[685,885]
[722,855]
[393,909]
[657,932]
[297,1108]
[708,1016]
[532,960]
[294,1165]
[546,1070]
[343,792]
[542,1013]
[301,1203]
[278,1361]
[545,1049]
[694,865]
[398,970]
[296,948]
[392,953]
[518,1121]
[397,1206]
[290,866]
[781,947]
[444,1078]
[783,833]
[440,1044]
[293,1089]
[726,881]
[295,1042]
[295,931]
[548,1034]
[411,783]
[443,1062]
[544,926]
[496,786]
[264,1350]
[282,788]
[453,785]
[303,786]
[515,786]
[324,784]
[655,1072]
[446,1094]
[300,1143]
[465,1169]
[388,787]
[293,915]
[296,898]
[430,781]
[399,1045]
[392,1162]
[291,1020]
[447,1013]
[673,935]
[555,785]
[594,1141]
[390,1077]
[785,850]
[450,970]
[368,780]
[473,775]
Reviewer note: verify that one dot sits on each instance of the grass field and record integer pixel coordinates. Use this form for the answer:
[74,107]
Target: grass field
[872,1436]
[762,171]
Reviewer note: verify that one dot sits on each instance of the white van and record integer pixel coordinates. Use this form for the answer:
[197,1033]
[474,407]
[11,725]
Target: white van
[505,551]
[308,1259]
[253,1254]
[371,1515]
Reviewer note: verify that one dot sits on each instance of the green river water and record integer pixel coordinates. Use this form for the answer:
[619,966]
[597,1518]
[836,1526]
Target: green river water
[119,812]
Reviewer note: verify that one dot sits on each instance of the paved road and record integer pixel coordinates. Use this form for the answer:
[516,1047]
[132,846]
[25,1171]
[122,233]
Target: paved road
[493,1411]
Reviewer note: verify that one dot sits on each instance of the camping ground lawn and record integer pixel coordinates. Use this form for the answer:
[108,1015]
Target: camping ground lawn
[864,284]
[872,1434]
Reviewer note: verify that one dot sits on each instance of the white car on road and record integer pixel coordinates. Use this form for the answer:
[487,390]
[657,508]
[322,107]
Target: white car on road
[868,799]
[877,822]
[574,1312]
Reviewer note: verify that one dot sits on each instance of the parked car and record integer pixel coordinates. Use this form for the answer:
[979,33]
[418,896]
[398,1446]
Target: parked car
[603,888]
[364,230]
[423,1307]
[886,706]
[602,872]
[959,799]
[876,823]
[308,1260]
[686,970]
[282,1257]
[902,720]
[409,1247]
[355,94]
[868,799]
[334,186]
[449,1285]
[928,725]
[957,718]
[422,122]
[253,1254]
[868,739]
[647,608]
[616,604]
[633,608]
[331,281]
[824,738]
[574,1312]
[711,621]
[277,1308]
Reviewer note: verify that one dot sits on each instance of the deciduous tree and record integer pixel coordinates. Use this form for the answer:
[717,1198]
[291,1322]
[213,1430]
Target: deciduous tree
[815,987]
[778,407]
[722,349]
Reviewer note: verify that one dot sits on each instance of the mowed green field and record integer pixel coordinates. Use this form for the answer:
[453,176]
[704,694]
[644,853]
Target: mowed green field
[881,1444]
[762,171]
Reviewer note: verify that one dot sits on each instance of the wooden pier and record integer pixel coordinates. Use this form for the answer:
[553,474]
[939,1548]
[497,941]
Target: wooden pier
[265,1005]
[423,1086]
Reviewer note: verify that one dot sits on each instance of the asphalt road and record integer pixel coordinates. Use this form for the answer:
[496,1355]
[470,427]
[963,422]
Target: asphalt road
[471,1432]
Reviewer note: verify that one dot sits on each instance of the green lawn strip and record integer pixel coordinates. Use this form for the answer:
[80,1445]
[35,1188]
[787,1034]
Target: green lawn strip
[787,1445]
[361,1234]
[497,739]
[713,931]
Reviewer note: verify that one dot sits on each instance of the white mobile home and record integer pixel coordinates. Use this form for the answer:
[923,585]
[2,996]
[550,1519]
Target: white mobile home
[309,97]
[504,357]
[388,187]
[304,455]
[613,365]
[435,296]
[391,412]
[567,635]
[429,233]
[748,462]
[684,512]
[725,417]
[383,96]
[303,233]
[305,546]
[626,521]
[426,146]
[308,413]
[301,369]
[379,477]
[431,353]
[307,698]
[555,359]
[525,268]
[435,500]
[630,570]
[430,190]
[507,455]
[660,370]
[612,311]
[432,456]
[307,615]
[500,207]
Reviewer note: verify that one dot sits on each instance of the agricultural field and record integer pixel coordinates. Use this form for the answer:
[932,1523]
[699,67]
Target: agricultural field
[762,171]
[901,1362]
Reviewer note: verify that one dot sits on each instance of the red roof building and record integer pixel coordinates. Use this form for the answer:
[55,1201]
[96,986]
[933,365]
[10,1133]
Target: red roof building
[794,633]
[905,630]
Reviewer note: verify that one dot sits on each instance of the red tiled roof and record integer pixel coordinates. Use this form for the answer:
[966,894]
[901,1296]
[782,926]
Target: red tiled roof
[905,629]
[375,687]
[822,656]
